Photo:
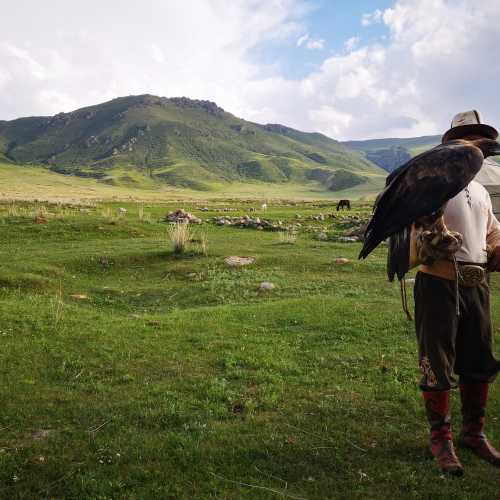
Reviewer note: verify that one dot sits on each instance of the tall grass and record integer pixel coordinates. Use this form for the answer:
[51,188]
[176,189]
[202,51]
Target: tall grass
[288,237]
[13,210]
[58,305]
[204,244]
[107,213]
[179,235]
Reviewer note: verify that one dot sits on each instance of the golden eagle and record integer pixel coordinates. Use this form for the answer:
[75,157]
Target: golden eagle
[416,194]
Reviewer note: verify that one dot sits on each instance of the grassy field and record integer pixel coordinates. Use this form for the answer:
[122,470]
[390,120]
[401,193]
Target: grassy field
[36,183]
[129,373]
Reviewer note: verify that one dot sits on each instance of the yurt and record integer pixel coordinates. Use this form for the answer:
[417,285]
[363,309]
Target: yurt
[489,177]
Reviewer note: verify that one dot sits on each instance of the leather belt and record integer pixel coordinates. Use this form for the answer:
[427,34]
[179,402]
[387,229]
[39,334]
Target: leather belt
[469,275]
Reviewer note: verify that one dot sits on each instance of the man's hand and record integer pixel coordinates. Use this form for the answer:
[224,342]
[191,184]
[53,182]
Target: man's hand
[494,260]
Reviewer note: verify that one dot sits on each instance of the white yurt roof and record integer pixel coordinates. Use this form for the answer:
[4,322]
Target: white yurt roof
[489,175]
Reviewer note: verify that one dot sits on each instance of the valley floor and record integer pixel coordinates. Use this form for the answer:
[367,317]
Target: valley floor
[128,372]
[37,183]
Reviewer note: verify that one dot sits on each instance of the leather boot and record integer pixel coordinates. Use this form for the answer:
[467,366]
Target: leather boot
[474,398]
[438,415]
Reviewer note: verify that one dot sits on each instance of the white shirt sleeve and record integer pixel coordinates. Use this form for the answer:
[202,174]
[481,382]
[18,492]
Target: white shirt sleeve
[493,227]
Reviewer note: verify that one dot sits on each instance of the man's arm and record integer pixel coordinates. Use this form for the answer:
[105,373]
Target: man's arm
[493,239]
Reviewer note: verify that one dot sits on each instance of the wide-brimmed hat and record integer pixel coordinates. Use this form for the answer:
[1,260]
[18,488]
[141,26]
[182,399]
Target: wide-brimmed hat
[468,123]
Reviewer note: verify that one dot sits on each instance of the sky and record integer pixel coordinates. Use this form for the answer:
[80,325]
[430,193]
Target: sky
[350,69]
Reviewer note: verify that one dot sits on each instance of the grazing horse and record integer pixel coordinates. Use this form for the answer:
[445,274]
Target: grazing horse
[344,204]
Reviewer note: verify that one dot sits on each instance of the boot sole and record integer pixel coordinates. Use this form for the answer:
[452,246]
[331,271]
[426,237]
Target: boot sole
[453,472]
[465,446]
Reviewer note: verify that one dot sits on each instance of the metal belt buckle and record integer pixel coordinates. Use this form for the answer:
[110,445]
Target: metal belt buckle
[471,275]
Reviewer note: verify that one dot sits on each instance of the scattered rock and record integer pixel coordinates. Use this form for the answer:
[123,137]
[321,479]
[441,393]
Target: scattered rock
[249,222]
[347,239]
[342,260]
[122,210]
[40,434]
[181,215]
[357,231]
[322,236]
[235,261]
[267,285]
[40,219]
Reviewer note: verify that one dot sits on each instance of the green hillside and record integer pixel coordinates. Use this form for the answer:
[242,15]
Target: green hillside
[147,141]
[392,152]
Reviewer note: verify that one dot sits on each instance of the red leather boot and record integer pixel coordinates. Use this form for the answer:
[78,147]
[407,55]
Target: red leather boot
[438,415]
[474,398]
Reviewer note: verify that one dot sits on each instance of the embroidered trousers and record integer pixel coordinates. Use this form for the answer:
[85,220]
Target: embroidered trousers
[448,344]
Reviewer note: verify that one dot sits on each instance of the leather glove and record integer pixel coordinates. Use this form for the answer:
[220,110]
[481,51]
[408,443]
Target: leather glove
[494,260]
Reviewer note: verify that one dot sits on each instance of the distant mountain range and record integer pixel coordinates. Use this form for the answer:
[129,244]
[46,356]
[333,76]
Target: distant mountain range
[146,140]
[390,153]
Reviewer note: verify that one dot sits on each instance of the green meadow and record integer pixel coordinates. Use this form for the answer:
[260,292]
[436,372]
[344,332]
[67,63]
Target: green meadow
[28,182]
[130,372]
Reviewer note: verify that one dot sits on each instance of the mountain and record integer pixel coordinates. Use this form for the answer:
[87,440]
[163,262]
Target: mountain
[390,153]
[147,140]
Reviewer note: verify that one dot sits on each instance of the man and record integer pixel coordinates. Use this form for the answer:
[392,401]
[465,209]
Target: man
[457,338]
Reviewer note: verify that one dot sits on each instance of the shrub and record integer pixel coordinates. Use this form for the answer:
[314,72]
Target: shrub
[179,235]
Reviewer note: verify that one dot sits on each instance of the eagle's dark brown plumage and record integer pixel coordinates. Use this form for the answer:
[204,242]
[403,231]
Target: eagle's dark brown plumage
[418,191]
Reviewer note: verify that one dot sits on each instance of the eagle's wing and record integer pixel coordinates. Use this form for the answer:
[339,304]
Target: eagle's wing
[420,188]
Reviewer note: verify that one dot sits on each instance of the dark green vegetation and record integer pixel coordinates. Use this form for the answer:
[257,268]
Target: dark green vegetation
[129,373]
[146,141]
[391,153]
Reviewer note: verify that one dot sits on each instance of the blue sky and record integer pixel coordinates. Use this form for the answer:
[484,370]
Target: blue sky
[332,21]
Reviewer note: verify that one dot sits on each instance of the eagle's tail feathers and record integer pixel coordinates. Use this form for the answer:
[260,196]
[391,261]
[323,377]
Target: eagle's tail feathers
[398,256]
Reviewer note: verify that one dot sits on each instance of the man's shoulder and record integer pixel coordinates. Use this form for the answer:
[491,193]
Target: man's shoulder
[478,189]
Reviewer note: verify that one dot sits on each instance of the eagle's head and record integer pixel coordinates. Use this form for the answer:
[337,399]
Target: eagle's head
[489,147]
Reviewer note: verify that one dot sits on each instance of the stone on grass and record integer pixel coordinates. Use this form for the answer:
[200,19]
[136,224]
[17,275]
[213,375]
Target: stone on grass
[347,239]
[267,285]
[40,219]
[235,261]
[181,215]
[40,434]
[342,260]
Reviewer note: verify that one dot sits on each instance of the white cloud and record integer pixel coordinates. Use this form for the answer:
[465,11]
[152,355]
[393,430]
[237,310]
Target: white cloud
[198,48]
[157,54]
[302,40]
[372,18]
[351,43]
[439,57]
[436,61]
[311,43]
[23,57]
[317,44]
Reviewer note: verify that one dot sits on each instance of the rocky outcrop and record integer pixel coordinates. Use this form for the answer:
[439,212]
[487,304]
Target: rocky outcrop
[181,215]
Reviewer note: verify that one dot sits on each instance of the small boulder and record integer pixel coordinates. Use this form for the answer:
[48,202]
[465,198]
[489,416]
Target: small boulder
[267,285]
[342,260]
[235,261]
